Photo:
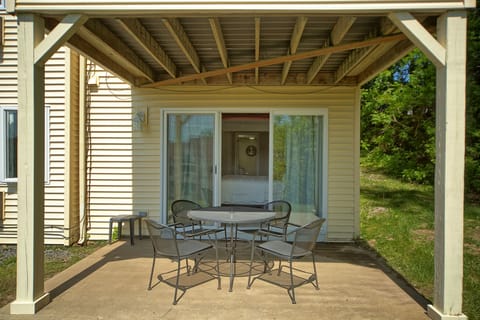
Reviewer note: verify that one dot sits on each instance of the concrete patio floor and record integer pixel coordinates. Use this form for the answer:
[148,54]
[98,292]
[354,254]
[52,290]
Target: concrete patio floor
[112,284]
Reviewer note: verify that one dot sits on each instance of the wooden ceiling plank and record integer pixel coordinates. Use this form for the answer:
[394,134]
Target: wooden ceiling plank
[146,40]
[257,45]
[339,30]
[294,43]
[57,36]
[220,41]
[281,59]
[97,33]
[420,36]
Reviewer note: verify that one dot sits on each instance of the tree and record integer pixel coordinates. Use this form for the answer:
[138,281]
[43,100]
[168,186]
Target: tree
[398,119]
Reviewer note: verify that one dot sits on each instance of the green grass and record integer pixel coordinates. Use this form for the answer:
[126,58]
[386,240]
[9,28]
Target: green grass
[57,258]
[397,220]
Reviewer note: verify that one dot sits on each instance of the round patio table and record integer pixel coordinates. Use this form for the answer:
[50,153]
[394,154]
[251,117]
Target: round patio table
[232,216]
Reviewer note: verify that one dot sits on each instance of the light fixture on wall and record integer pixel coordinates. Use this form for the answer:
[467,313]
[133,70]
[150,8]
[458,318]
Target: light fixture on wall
[140,119]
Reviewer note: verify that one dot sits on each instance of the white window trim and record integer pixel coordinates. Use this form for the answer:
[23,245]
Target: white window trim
[3,146]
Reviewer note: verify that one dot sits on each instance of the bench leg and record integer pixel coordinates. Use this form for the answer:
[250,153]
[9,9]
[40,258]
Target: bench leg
[132,225]
[110,232]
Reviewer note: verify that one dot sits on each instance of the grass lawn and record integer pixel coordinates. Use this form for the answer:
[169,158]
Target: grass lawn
[57,258]
[397,220]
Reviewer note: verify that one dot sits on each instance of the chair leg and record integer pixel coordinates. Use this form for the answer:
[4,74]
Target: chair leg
[218,265]
[249,284]
[151,272]
[315,273]
[176,282]
[291,290]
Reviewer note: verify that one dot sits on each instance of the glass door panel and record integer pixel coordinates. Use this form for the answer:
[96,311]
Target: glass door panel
[297,164]
[190,158]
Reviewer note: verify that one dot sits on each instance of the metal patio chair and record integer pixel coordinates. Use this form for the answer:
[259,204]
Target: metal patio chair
[277,226]
[305,238]
[166,244]
[180,209]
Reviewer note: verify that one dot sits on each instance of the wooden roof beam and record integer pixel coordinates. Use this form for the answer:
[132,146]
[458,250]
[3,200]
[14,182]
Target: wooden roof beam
[257,45]
[136,30]
[98,35]
[353,59]
[294,43]
[282,59]
[343,24]
[220,41]
[82,46]
[183,41]
[395,53]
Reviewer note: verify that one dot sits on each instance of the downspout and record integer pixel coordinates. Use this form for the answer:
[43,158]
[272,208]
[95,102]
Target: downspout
[82,154]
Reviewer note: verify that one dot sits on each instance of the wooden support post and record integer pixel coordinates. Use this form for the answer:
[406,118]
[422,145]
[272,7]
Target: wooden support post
[31,148]
[449,172]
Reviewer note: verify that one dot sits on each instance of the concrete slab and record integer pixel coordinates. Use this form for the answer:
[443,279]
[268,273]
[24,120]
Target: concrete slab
[112,284]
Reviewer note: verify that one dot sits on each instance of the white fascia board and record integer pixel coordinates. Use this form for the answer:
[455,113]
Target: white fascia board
[175,7]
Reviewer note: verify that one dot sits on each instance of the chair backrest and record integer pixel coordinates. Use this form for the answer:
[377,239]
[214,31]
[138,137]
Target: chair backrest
[282,211]
[306,236]
[163,238]
[180,209]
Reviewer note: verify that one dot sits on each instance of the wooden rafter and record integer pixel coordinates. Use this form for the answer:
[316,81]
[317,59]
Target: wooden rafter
[339,31]
[220,41]
[137,31]
[183,41]
[97,34]
[282,59]
[257,45]
[80,45]
[390,57]
[181,38]
[386,27]
[294,43]
[353,59]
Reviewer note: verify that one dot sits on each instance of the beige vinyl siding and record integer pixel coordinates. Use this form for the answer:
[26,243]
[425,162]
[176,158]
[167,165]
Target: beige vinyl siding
[109,151]
[340,102]
[55,100]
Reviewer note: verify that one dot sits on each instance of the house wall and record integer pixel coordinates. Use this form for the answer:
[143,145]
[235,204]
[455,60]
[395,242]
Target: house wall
[342,105]
[55,100]
[109,151]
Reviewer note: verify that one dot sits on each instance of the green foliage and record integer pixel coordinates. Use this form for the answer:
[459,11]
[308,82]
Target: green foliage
[472,160]
[398,119]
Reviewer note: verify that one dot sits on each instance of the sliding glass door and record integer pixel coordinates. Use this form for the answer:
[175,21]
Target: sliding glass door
[298,170]
[190,157]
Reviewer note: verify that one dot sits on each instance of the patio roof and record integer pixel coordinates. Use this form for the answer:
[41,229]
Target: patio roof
[299,43]
[112,284]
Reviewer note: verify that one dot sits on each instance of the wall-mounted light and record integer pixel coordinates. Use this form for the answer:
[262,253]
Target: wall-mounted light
[140,119]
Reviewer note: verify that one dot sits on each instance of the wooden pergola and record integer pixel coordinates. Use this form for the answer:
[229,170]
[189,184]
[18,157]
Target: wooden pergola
[245,42]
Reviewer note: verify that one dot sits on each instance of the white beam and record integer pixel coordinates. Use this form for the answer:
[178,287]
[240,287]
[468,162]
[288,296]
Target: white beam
[30,295]
[419,36]
[449,169]
[246,7]
[57,37]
